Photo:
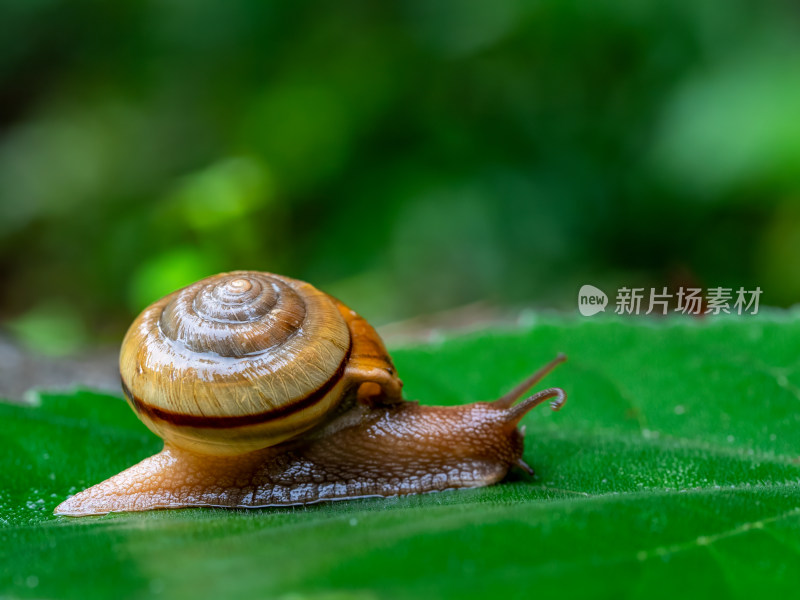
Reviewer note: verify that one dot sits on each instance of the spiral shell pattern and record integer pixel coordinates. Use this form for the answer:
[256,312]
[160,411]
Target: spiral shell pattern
[236,362]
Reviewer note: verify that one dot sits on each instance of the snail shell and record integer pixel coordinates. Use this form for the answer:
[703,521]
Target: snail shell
[246,360]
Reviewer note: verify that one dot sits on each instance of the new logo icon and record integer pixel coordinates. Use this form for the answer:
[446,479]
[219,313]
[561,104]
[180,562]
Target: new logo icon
[591,300]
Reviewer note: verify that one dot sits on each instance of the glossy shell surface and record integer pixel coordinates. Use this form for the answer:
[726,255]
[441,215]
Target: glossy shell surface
[236,362]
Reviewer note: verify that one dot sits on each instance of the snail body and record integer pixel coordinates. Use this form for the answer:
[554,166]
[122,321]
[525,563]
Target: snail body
[268,392]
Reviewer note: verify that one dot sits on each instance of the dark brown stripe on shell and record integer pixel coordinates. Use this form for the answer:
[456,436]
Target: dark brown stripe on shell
[199,421]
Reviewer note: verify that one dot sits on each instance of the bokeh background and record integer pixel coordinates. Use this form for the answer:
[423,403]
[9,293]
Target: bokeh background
[409,157]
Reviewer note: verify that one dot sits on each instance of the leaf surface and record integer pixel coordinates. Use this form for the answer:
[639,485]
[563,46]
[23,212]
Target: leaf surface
[672,471]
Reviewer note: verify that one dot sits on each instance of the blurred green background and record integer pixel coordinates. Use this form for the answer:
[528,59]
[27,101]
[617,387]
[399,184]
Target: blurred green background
[409,157]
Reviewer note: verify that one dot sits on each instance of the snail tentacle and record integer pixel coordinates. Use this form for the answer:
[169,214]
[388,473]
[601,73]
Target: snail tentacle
[508,400]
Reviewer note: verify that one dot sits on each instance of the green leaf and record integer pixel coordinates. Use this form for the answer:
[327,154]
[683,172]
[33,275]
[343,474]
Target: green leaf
[673,471]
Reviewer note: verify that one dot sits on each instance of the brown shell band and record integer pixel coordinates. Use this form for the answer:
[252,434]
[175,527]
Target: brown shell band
[229,422]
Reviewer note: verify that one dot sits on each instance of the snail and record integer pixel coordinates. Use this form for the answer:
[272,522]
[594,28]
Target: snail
[269,392]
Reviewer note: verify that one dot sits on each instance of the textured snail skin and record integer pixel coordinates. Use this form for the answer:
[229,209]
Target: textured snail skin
[366,441]
[378,451]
